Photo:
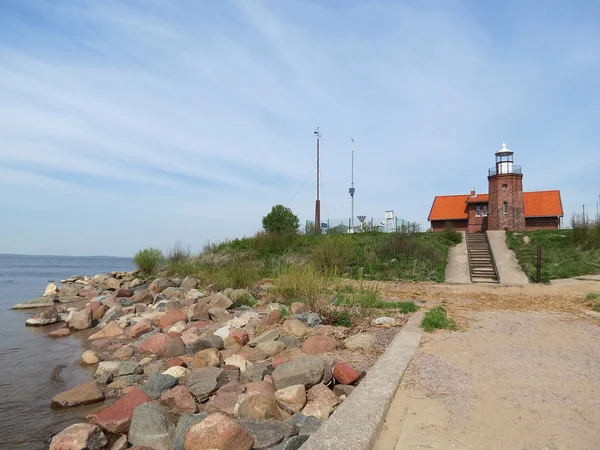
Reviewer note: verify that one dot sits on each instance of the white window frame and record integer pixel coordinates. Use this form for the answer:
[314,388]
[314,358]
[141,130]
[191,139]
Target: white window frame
[478,211]
[505,208]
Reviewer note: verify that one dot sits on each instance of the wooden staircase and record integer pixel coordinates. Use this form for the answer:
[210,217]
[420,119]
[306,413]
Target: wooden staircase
[481,260]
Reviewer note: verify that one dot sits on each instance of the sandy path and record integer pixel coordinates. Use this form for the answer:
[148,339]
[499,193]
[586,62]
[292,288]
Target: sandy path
[508,380]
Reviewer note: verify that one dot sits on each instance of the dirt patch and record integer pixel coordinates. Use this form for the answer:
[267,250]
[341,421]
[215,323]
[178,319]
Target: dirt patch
[509,380]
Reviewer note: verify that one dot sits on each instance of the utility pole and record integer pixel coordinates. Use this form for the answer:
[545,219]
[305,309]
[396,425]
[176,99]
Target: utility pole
[352,190]
[317,133]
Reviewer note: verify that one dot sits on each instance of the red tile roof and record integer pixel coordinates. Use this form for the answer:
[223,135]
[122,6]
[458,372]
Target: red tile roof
[537,204]
[543,204]
[448,207]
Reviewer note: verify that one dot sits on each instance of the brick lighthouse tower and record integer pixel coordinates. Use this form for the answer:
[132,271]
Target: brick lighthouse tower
[506,206]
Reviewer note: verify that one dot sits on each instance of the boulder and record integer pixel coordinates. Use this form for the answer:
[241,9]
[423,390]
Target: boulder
[189,283]
[198,311]
[157,384]
[159,285]
[80,395]
[124,292]
[307,425]
[320,402]
[291,399]
[361,341]
[112,314]
[240,336]
[202,343]
[81,436]
[315,345]
[175,361]
[343,389]
[259,407]
[299,308]
[112,284]
[244,319]
[219,300]
[80,320]
[130,368]
[38,302]
[384,321]
[292,443]
[151,427]
[268,433]
[217,314]
[61,332]
[47,317]
[224,401]
[310,319]
[144,297]
[170,318]
[205,381]
[98,310]
[184,423]
[271,348]
[51,289]
[296,327]
[344,374]
[68,290]
[289,342]
[105,367]
[110,330]
[142,326]
[176,371]
[154,344]
[218,431]
[177,327]
[117,417]
[210,357]
[270,335]
[124,353]
[223,332]
[120,443]
[260,387]
[179,400]
[306,370]
[238,361]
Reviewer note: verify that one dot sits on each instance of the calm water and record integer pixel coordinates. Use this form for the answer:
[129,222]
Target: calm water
[34,367]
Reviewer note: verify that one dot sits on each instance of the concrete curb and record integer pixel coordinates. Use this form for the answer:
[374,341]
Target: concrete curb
[356,424]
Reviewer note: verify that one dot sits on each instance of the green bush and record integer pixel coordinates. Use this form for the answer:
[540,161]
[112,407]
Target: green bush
[437,318]
[281,219]
[596,307]
[452,234]
[273,243]
[586,232]
[148,260]
[333,254]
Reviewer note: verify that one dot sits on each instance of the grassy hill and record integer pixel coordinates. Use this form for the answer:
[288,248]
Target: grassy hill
[374,256]
[565,253]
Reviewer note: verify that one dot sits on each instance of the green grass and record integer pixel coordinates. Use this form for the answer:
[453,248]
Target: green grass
[562,257]
[244,300]
[593,296]
[596,307]
[370,299]
[436,319]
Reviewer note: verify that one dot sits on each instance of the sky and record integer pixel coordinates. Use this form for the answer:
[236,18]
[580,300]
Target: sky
[138,123]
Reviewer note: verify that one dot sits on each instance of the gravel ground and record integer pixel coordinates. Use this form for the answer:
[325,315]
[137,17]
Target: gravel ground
[507,380]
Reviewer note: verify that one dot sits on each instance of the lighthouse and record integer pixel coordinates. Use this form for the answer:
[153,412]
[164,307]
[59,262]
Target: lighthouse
[506,205]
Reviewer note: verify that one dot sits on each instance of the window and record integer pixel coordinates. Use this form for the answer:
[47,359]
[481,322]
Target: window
[505,208]
[485,211]
[478,211]
[504,187]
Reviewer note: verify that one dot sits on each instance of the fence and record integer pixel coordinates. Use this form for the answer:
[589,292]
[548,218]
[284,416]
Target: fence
[344,226]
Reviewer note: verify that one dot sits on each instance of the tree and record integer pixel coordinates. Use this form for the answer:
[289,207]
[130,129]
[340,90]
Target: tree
[281,219]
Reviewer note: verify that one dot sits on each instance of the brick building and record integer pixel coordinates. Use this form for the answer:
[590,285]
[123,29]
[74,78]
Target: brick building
[504,207]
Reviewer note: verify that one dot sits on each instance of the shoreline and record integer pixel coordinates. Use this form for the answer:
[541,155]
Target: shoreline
[168,331]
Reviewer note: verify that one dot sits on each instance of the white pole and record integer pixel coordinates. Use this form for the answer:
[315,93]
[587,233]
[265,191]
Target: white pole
[352,188]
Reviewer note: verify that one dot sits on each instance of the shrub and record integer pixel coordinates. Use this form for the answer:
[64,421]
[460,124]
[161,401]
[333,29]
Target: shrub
[179,253]
[244,300]
[303,283]
[586,232]
[596,307]
[437,318]
[452,234]
[281,219]
[340,319]
[593,295]
[333,254]
[148,260]
[273,243]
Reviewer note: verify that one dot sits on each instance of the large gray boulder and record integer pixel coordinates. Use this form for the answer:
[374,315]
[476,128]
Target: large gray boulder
[205,381]
[157,384]
[47,317]
[151,427]
[306,370]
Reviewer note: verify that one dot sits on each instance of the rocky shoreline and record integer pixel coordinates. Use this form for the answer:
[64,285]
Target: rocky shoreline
[191,369]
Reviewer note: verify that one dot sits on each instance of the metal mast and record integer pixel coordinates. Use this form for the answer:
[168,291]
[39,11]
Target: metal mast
[352,190]
[317,133]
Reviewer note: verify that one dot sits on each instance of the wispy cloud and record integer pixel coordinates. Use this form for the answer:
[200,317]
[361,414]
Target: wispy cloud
[167,120]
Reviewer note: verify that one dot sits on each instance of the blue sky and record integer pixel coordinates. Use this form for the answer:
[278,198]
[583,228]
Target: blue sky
[126,124]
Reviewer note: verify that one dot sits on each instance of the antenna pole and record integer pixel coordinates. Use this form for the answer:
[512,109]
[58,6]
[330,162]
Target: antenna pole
[317,133]
[352,190]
